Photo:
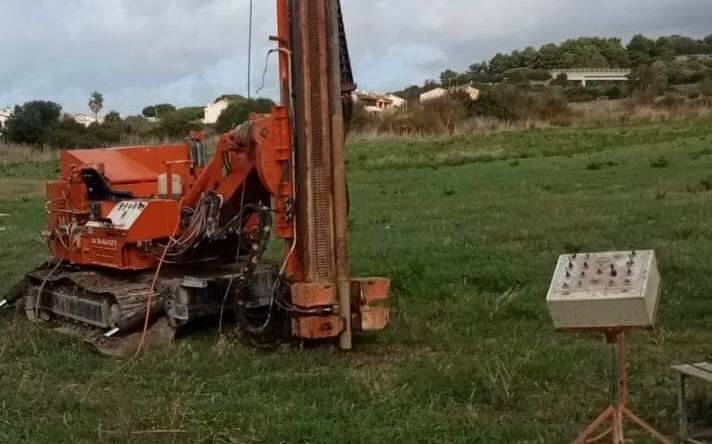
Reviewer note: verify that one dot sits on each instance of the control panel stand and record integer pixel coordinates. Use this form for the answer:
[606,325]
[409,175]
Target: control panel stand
[612,420]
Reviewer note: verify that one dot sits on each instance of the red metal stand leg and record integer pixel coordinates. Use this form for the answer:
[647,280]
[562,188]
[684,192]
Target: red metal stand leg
[618,411]
[586,436]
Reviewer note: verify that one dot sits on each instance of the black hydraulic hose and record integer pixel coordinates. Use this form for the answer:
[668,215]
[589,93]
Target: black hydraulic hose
[13,295]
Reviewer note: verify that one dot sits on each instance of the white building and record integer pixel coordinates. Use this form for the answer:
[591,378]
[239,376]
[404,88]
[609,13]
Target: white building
[5,114]
[585,75]
[433,94]
[87,119]
[212,112]
[440,92]
[398,102]
[378,103]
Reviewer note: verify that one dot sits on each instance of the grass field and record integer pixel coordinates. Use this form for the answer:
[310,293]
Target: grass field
[469,230]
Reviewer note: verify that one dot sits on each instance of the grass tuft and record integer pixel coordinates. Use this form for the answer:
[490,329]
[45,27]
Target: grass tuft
[660,162]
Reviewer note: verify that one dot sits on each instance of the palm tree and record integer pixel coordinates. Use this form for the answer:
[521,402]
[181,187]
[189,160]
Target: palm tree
[96,103]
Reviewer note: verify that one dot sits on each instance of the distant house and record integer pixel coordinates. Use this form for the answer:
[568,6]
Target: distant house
[213,110]
[585,75]
[378,103]
[433,94]
[5,116]
[87,119]
[398,102]
[440,92]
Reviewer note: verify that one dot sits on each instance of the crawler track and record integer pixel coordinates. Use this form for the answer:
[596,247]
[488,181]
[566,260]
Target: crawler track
[92,297]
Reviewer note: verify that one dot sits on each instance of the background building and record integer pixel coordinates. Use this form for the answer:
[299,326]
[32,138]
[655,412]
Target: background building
[87,119]
[439,92]
[5,114]
[376,103]
[213,110]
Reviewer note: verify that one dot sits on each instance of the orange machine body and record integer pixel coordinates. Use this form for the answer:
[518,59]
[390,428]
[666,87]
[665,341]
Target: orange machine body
[120,233]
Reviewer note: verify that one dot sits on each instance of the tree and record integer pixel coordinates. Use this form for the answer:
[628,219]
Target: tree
[549,57]
[516,76]
[613,50]
[561,80]
[112,117]
[32,122]
[231,98]
[664,49]
[192,112]
[177,125]
[708,39]
[650,79]
[640,50]
[448,78]
[159,110]
[478,69]
[501,63]
[529,57]
[238,112]
[96,104]
[685,45]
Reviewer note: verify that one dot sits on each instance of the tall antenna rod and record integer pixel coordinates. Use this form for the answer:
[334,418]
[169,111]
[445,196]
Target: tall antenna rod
[249,55]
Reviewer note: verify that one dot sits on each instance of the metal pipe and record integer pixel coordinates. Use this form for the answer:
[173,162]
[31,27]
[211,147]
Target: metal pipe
[284,42]
[111,332]
[338,164]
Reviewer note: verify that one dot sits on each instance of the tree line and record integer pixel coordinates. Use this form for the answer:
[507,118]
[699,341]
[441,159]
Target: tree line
[656,65]
[42,123]
[582,52]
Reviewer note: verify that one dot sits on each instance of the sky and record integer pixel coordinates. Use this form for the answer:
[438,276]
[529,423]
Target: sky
[187,52]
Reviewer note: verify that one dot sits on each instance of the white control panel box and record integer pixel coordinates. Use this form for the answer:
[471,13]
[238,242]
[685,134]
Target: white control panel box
[605,290]
[123,216]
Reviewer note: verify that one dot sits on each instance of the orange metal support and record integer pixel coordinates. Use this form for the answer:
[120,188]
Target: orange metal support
[616,414]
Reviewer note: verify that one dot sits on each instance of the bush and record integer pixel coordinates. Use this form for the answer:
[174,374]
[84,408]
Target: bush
[706,87]
[176,125]
[433,117]
[614,92]
[512,103]
[670,101]
[581,94]
[70,134]
[495,102]
[67,133]
[525,75]
[138,125]
[538,75]
[360,118]
[561,80]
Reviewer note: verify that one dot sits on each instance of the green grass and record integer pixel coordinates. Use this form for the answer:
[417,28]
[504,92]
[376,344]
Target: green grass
[469,231]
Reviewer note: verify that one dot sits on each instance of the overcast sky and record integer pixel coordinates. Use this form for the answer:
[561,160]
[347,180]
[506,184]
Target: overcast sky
[187,52]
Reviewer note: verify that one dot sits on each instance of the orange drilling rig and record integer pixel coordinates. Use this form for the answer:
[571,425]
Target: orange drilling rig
[144,233]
